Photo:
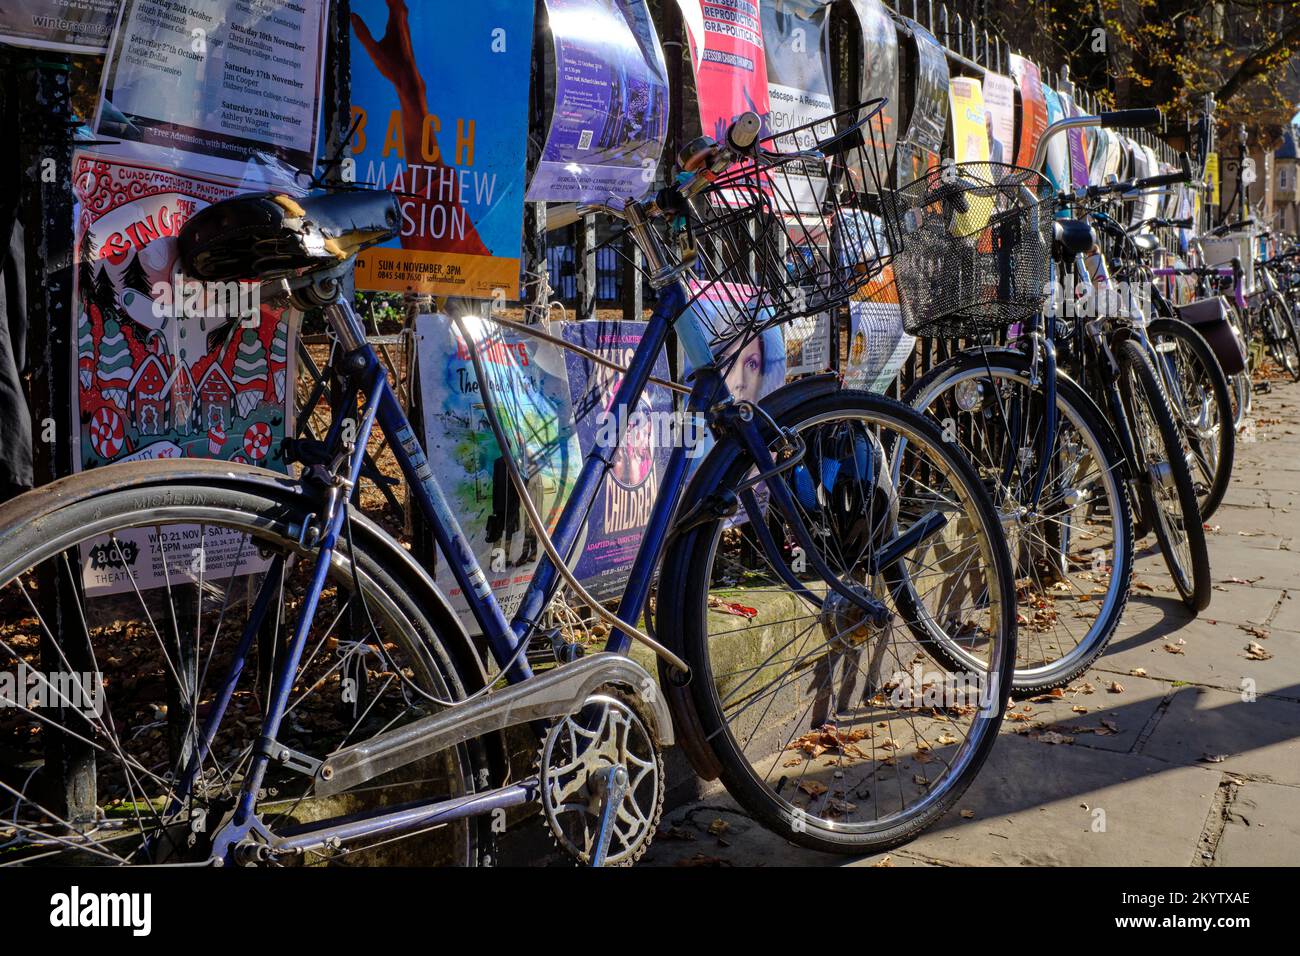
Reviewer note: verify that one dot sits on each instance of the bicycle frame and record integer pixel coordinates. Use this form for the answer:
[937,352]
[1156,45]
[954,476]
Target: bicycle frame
[709,398]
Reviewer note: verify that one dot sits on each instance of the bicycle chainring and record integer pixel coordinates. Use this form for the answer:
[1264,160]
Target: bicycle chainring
[606,731]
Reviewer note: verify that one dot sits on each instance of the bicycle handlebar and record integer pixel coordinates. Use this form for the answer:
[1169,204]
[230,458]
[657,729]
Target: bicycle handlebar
[1138,119]
[1135,119]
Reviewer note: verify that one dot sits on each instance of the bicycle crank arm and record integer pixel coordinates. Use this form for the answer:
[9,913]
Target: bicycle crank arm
[555,694]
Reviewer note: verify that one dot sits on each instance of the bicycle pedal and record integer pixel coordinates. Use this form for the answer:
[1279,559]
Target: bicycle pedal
[566,652]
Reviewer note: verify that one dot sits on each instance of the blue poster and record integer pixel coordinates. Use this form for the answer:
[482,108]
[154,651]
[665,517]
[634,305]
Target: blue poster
[441,104]
[622,507]
[611,103]
[1058,153]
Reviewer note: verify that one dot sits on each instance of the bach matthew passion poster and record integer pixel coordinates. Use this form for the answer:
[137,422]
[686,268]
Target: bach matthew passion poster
[441,106]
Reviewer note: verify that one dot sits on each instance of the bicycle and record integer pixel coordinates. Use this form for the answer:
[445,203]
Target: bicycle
[244,724]
[1112,354]
[1276,316]
[1053,461]
[1200,397]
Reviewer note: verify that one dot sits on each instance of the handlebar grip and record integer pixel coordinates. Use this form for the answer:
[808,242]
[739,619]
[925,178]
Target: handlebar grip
[1135,119]
[744,131]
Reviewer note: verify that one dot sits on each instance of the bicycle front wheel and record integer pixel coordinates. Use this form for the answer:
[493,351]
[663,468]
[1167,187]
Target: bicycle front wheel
[837,733]
[1070,535]
[1164,480]
[149,606]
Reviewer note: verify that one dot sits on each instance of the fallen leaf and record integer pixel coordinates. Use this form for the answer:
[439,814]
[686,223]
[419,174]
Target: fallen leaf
[1256,652]
[1115,688]
[1138,672]
[814,788]
[720,826]
[1052,737]
[968,814]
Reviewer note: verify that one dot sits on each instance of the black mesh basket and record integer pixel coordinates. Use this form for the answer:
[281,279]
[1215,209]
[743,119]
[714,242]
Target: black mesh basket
[796,229]
[973,250]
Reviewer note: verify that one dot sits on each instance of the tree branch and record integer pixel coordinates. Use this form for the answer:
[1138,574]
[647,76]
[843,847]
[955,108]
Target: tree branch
[1255,64]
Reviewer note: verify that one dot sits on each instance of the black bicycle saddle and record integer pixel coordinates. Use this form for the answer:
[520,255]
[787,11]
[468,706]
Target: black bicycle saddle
[273,234]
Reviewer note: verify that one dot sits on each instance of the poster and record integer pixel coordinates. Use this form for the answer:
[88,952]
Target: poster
[611,104]
[1033,108]
[1000,117]
[728,59]
[807,345]
[1100,150]
[232,80]
[1076,144]
[878,346]
[1149,206]
[71,26]
[796,43]
[1211,178]
[754,366]
[621,510]
[1058,153]
[919,149]
[969,129]
[879,77]
[427,129]
[528,382]
[167,367]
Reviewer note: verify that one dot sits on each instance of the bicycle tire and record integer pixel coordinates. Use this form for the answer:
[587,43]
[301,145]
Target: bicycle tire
[1216,475]
[1139,385]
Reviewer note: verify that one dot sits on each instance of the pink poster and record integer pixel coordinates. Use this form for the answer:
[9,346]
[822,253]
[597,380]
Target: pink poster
[726,39]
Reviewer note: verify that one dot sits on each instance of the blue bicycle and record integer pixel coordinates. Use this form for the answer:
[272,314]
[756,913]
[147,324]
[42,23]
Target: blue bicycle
[275,680]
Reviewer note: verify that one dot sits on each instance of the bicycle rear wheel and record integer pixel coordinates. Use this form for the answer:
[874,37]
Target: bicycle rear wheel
[838,734]
[1164,480]
[132,593]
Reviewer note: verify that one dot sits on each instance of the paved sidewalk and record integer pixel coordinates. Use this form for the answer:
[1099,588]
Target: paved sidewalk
[1189,753]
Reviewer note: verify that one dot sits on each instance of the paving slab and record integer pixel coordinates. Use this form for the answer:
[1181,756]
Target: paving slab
[1261,827]
[716,832]
[1214,655]
[1036,804]
[1219,729]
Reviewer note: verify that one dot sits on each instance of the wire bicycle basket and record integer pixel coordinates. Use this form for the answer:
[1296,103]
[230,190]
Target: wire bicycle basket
[974,250]
[796,229]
